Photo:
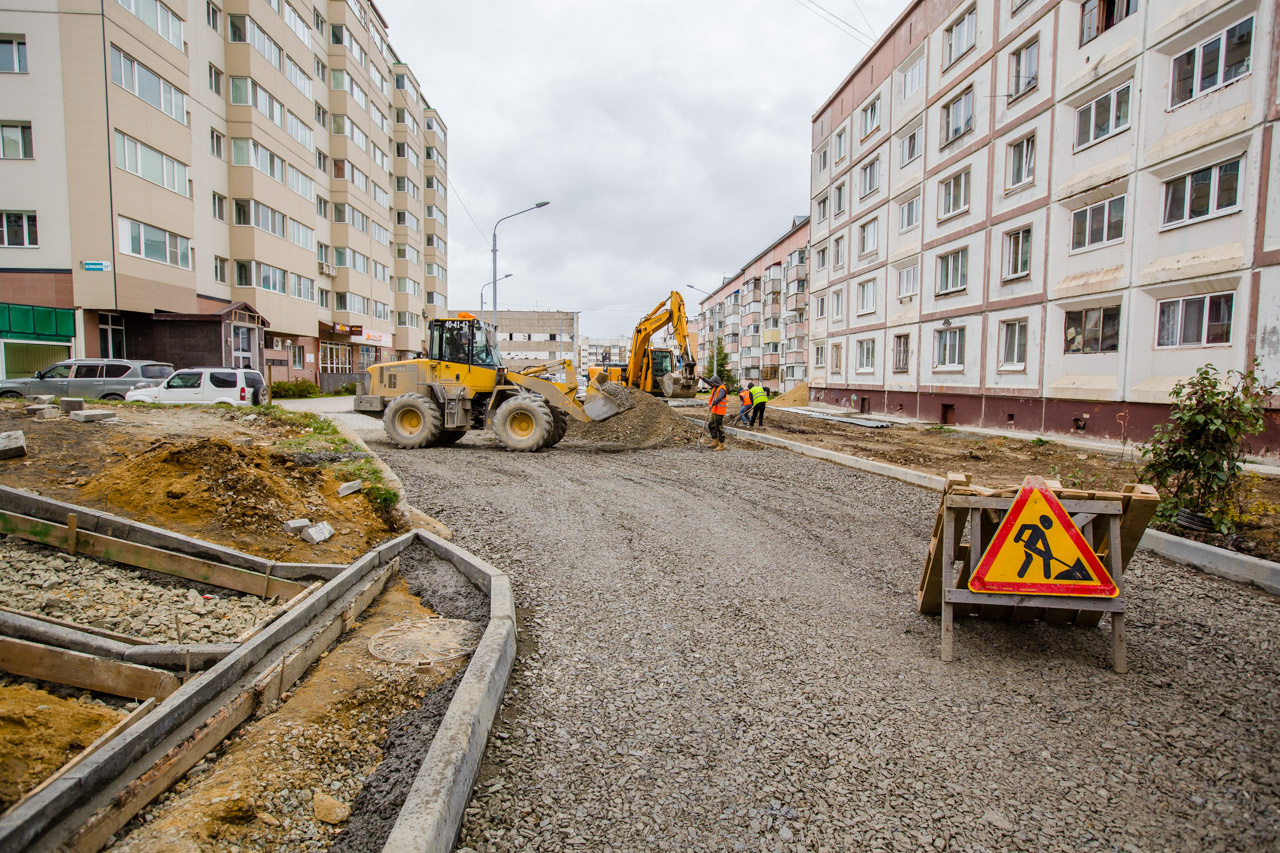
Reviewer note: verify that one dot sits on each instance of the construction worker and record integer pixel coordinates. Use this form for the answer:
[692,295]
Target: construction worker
[759,397]
[718,402]
[744,414]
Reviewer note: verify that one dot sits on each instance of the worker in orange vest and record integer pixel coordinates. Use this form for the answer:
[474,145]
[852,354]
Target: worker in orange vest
[718,402]
[744,414]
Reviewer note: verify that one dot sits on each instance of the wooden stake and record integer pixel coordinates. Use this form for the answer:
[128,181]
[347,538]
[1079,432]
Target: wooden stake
[73,537]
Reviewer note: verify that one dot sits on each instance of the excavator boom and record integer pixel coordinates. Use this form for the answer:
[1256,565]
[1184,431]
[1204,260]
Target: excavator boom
[680,380]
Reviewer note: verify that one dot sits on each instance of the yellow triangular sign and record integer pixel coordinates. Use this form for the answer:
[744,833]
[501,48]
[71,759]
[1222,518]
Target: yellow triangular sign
[1038,550]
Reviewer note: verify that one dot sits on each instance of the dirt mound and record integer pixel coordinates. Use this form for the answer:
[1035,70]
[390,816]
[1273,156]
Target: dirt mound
[797,396]
[651,424]
[238,495]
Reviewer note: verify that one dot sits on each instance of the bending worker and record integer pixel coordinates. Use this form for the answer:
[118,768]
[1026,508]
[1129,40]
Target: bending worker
[744,414]
[719,404]
[759,397]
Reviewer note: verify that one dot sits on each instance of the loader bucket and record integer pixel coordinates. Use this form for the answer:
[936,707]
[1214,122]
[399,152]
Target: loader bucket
[677,385]
[604,400]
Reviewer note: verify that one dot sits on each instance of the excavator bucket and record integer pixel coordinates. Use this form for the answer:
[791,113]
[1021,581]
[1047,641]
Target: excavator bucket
[604,401]
[676,385]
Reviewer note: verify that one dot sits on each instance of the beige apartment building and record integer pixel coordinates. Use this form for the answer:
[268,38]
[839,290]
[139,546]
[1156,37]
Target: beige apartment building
[760,314]
[249,182]
[526,338]
[1042,214]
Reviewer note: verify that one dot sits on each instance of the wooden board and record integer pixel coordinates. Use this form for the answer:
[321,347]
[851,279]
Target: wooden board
[47,663]
[929,595]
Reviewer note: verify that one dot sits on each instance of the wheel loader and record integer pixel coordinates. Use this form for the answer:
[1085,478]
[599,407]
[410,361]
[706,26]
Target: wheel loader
[462,385]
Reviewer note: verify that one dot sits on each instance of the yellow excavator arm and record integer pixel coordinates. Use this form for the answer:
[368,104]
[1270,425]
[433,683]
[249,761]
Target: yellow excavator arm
[640,369]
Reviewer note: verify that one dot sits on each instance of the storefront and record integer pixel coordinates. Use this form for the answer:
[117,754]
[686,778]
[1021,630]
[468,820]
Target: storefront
[34,337]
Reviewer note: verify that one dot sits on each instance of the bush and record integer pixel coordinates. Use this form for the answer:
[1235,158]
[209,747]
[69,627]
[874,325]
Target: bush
[294,388]
[345,390]
[1194,458]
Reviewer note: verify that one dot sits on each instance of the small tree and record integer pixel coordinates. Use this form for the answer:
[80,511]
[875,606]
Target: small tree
[1194,458]
[718,364]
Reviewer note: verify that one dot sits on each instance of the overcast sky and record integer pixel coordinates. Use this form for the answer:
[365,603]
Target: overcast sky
[670,136]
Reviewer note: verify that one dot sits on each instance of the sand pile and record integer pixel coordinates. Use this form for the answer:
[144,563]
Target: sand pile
[797,396]
[652,423]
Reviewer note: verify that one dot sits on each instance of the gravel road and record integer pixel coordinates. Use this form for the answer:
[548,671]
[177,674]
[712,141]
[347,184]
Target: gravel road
[721,651]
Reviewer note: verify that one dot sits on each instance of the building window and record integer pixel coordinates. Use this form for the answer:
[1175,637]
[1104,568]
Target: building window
[909,281]
[909,214]
[869,237]
[220,270]
[840,146]
[1017,253]
[867,296]
[912,145]
[1103,117]
[957,117]
[322,298]
[134,77]
[871,177]
[960,37]
[220,207]
[215,80]
[819,356]
[1214,63]
[1092,330]
[837,357]
[820,310]
[840,199]
[953,271]
[1202,194]
[901,353]
[213,16]
[871,118]
[19,230]
[913,78]
[822,258]
[110,335]
[837,252]
[1098,16]
[866,356]
[154,244]
[953,195]
[15,141]
[1022,162]
[1194,321]
[299,357]
[822,159]
[149,164]
[1013,345]
[13,55]
[215,143]
[335,358]
[948,348]
[1098,225]
[1024,70]
[822,209]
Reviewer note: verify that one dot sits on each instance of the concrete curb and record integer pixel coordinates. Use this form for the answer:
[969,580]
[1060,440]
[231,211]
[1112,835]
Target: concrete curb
[432,814]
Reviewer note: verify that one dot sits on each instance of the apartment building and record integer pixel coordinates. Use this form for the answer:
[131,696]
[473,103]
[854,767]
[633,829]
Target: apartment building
[603,350]
[526,338]
[1042,214]
[760,314]
[261,184]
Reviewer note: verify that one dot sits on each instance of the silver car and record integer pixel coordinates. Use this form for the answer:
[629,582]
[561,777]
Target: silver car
[90,378]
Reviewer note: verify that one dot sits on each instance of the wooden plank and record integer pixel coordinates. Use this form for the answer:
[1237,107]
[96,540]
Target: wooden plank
[33,660]
[1071,506]
[88,629]
[146,557]
[929,594]
[948,567]
[1054,602]
[1141,501]
[277,613]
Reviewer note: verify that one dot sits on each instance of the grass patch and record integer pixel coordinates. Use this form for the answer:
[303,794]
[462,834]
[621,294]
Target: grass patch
[376,491]
[940,429]
[1040,442]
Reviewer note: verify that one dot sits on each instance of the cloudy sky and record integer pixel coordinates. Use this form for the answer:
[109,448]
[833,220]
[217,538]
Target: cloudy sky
[670,136]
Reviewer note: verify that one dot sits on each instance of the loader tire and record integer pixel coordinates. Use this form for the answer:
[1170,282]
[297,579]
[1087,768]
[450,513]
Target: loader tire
[450,436]
[523,423]
[560,426]
[412,420]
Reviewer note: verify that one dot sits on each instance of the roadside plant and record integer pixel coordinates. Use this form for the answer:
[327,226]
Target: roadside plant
[719,364]
[1194,458]
[294,388]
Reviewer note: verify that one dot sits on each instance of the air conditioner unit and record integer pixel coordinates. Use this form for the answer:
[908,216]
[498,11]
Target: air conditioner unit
[326,269]
[276,343]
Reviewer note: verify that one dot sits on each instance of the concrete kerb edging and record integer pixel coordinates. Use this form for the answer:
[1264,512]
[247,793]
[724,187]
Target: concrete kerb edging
[1210,559]
[431,816]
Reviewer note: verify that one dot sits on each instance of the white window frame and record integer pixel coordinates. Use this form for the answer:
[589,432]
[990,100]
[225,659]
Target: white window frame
[837,252]
[840,194]
[840,146]
[869,237]
[17,136]
[867,297]
[913,78]
[822,209]
[1089,210]
[820,310]
[948,190]
[837,304]
[869,176]
[1112,98]
[1020,156]
[1089,11]
[871,117]
[1102,324]
[837,356]
[28,221]
[822,258]
[175,244]
[1020,82]
[909,214]
[964,103]
[1198,54]
[1018,328]
[948,349]
[819,355]
[866,356]
[908,145]
[1215,185]
[956,265]
[902,353]
[908,281]
[1180,305]
[960,38]
[1017,253]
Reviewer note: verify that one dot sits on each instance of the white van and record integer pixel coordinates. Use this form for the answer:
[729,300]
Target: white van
[236,386]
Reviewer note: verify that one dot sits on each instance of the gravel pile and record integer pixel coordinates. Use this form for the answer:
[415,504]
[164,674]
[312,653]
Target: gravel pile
[722,652]
[650,424]
[40,579]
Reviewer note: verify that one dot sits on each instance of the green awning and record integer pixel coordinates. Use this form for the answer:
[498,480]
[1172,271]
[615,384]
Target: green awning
[37,323]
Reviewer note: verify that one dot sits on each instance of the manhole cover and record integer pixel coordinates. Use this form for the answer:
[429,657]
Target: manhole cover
[427,642]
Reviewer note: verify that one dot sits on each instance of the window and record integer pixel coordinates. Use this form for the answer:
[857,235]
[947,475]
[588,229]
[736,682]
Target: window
[909,281]
[1024,69]
[948,348]
[838,252]
[953,195]
[301,287]
[19,230]
[154,244]
[1097,225]
[158,17]
[220,270]
[322,207]
[912,145]
[822,209]
[1022,162]
[257,214]
[407,319]
[298,77]
[1098,16]
[871,177]
[322,299]
[247,152]
[1215,63]
[819,356]
[839,146]
[957,117]
[133,76]
[871,118]
[901,353]
[300,27]
[867,296]
[953,271]
[15,141]
[213,17]
[245,90]
[1103,117]
[869,237]
[13,55]
[1013,345]
[215,143]
[837,357]
[296,128]
[822,159]
[913,78]
[822,258]
[1194,321]
[1017,253]
[959,37]
[837,304]
[220,207]
[242,28]
[840,199]
[866,355]
[215,80]
[820,310]
[320,69]
[149,164]
[909,214]
[1202,194]
[1092,330]
[301,235]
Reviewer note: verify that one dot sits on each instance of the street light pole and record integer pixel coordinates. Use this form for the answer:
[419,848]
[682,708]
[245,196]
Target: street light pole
[715,364]
[487,284]
[496,354]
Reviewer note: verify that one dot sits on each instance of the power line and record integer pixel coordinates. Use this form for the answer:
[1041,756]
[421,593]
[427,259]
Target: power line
[866,34]
[858,6]
[832,20]
[454,189]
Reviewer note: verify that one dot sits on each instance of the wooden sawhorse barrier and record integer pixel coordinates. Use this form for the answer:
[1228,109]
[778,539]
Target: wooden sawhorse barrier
[1103,518]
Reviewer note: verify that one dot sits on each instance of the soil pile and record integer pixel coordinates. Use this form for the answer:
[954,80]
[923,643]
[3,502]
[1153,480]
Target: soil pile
[797,396]
[651,424]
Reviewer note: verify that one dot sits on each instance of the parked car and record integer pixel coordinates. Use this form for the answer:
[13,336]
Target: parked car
[90,378]
[237,386]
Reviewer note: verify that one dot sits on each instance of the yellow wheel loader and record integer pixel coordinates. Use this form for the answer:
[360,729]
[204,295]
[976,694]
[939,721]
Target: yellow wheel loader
[461,385]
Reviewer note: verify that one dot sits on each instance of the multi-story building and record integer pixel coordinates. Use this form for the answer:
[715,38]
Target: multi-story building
[603,350]
[258,184]
[760,314]
[1040,214]
[526,338]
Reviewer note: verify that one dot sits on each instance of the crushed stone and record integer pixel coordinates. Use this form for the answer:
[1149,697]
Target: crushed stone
[651,424]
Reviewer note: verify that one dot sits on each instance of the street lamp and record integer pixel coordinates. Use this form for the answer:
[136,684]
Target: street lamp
[488,284]
[496,354]
[715,363]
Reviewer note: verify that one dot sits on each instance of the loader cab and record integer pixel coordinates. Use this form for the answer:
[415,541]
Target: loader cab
[461,341]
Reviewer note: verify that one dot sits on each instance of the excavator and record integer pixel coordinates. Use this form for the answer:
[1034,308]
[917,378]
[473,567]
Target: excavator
[655,369]
[462,385]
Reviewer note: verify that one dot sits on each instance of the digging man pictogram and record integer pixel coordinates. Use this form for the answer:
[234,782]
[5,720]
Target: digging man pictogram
[1033,540]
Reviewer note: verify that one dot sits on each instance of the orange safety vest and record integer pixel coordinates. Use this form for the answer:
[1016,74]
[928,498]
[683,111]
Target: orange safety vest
[719,400]
[745,396]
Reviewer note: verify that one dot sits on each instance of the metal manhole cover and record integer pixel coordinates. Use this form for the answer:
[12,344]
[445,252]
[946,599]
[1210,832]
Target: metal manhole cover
[427,642]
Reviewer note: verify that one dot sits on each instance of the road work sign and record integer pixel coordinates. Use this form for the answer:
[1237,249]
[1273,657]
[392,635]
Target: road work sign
[1038,550]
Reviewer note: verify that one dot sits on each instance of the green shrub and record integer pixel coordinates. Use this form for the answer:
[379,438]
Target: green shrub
[345,390]
[294,388]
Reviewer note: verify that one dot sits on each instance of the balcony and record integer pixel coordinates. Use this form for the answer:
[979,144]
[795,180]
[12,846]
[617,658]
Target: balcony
[750,340]
[771,359]
[798,329]
[731,329]
[774,309]
[797,272]
[750,362]
[794,357]
[797,300]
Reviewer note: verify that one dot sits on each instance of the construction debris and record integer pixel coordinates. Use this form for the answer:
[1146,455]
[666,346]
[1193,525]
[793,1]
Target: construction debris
[36,408]
[350,488]
[71,404]
[297,525]
[797,396]
[317,533]
[13,444]
[85,416]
